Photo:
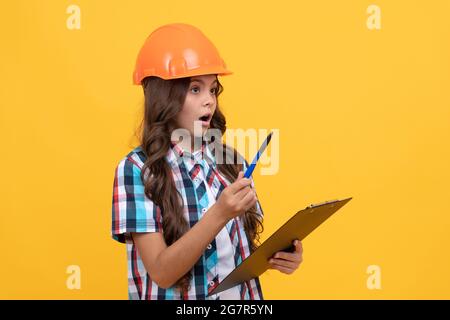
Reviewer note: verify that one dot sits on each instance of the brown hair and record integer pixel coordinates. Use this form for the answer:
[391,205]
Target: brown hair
[163,101]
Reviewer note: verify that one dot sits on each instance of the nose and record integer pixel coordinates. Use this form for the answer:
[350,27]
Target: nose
[209,101]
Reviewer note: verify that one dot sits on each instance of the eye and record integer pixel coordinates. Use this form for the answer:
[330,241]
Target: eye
[214,90]
[194,88]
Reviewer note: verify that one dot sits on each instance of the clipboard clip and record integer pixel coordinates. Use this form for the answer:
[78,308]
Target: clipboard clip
[321,204]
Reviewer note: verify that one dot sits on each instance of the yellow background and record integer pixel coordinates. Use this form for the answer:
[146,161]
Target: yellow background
[361,113]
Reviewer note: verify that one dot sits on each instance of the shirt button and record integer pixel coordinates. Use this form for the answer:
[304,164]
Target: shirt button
[204,210]
[209,246]
[211,283]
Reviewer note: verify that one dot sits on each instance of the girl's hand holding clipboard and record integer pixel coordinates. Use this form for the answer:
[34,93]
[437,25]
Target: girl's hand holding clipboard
[287,262]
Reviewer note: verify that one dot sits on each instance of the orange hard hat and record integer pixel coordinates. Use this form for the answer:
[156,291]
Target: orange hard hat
[178,50]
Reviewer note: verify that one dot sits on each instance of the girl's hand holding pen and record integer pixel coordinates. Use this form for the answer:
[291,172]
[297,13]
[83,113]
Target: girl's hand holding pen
[236,198]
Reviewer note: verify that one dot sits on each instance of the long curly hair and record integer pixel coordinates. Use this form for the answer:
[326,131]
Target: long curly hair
[163,101]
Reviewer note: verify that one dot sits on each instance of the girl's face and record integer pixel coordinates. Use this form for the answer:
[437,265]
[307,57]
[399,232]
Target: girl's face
[200,104]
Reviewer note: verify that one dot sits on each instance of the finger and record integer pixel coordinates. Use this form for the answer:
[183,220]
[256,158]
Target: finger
[238,185]
[296,256]
[242,193]
[298,246]
[248,199]
[250,204]
[282,269]
[284,263]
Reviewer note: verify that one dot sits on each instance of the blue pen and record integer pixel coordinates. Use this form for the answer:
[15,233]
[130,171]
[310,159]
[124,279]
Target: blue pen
[252,166]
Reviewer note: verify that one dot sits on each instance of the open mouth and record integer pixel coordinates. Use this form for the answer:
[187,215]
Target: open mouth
[205,118]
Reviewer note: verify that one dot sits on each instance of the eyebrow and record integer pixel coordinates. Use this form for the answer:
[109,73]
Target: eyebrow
[201,81]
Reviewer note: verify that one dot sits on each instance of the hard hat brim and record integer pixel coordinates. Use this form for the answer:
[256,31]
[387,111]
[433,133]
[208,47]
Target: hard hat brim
[191,73]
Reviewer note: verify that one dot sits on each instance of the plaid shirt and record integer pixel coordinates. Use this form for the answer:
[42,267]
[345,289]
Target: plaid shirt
[133,211]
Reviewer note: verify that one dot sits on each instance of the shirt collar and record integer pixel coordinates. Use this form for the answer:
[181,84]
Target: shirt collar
[177,154]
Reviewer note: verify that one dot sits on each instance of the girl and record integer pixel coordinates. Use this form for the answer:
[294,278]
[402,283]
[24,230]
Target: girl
[187,219]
